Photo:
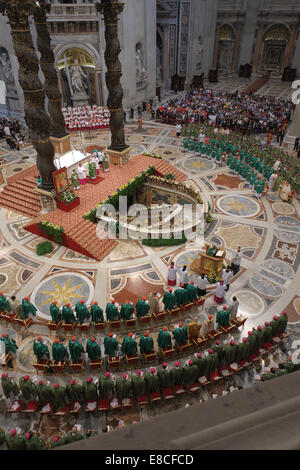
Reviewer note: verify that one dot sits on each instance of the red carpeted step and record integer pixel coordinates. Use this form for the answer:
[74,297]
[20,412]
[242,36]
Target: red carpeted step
[16,209]
[15,199]
[23,195]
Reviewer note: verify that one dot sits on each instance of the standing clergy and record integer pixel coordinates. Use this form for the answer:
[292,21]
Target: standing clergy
[181,296]
[75,180]
[111,345]
[229,353]
[129,345]
[207,327]
[127,310]
[272,180]
[41,350]
[55,312]
[236,260]
[233,308]
[105,162]
[96,313]
[10,388]
[76,350]
[106,386]
[226,277]
[142,307]
[164,377]
[152,381]
[59,397]
[176,375]
[16,307]
[74,392]
[92,170]
[28,309]
[164,339]
[219,294]
[190,373]
[201,285]
[184,277]
[93,349]
[59,351]
[82,312]
[172,274]
[95,161]
[4,303]
[67,314]
[146,344]
[45,393]
[169,300]
[81,174]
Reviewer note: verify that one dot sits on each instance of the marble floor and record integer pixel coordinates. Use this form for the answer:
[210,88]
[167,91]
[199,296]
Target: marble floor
[268,231]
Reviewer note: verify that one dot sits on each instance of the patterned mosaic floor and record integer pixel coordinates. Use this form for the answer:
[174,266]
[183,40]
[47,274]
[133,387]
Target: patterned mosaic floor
[268,231]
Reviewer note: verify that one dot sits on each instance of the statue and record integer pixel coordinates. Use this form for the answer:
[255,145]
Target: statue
[158,74]
[141,74]
[7,71]
[78,78]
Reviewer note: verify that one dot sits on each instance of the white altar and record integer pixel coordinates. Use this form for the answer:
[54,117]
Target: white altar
[71,160]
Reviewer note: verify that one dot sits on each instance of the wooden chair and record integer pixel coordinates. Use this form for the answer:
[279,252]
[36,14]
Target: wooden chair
[150,357]
[52,326]
[142,400]
[84,327]
[77,366]
[91,406]
[62,411]
[6,360]
[199,302]
[58,366]
[145,320]
[132,361]
[100,325]
[173,313]
[167,353]
[130,324]
[15,406]
[161,316]
[46,409]
[183,349]
[168,393]
[115,325]
[103,404]
[228,329]
[8,317]
[68,327]
[187,307]
[75,407]
[214,334]
[96,364]
[22,322]
[155,396]
[179,389]
[31,407]
[114,363]
[199,342]
[42,365]
[239,321]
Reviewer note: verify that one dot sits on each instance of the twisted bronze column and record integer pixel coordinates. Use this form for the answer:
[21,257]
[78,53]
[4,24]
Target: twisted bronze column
[110,9]
[37,119]
[47,60]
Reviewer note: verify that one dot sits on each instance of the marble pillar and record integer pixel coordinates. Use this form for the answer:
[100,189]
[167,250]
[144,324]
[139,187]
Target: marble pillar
[216,48]
[289,47]
[236,49]
[165,54]
[248,37]
[258,47]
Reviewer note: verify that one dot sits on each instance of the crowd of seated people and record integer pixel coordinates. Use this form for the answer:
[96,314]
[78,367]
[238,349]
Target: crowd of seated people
[13,132]
[81,118]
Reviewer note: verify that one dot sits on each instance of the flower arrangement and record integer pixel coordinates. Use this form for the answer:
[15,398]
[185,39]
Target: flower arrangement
[52,230]
[212,277]
[169,177]
[67,196]
[153,155]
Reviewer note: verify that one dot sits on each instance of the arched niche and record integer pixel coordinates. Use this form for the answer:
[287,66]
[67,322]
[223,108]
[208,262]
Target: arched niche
[275,40]
[226,41]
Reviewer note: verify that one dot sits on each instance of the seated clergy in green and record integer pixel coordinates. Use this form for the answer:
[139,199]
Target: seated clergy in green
[223,317]
[192,291]
[4,303]
[106,386]
[76,350]
[152,381]
[45,393]
[59,351]
[67,314]
[180,334]
[27,309]
[111,345]
[93,349]
[34,442]
[10,346]
[10,388]
[142,307]
[74,392]
[212,250]
[90,389]
[55,313]
[96,313]
[112,312]
[164,339]
[127,310]
[27,388]
[82,312]
[164,377]
[124,387]
[146,344]
[41,350]
[60,397]
[169,300]
[181,295]
[190,373]
[138,385]
[283,319]
[129,346]
[15,442]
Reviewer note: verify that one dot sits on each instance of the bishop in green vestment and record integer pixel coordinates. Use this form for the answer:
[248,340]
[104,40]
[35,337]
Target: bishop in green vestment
[82,312]
[146,344]
[90,389]
[97,313]
[164,377]
[223,317]
[15,442]
[76,350]
[41,350]
[9,386]
[129,346]
[4,303]
[93,349]
[164,339]
[59,351]
[60,396]
[106,387]
[105,162]
[152,381]
[123,387]
[138,385]
[27,388]
[169,300]
[27,308]
[67,314]
[142,307]
[111,345]
[55,312]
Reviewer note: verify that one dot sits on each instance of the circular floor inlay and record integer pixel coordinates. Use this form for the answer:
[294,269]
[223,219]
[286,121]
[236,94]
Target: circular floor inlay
[63,287]
[283,208]
[241,206]
[249,302]
[198,164]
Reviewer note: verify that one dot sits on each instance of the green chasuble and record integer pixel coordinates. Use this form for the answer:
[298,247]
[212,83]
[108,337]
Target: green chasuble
[192,292]
[142,308]
[219,350]
[75,180]
[10,344]
[180,335]
[27,308]
[146,344]
[15,442]
[240,353]
[92,170]
[82,312]
[106,388]
[111,346]
[200,363]
[9,386]
[274,324]
[180,296]
[113,313]
[129,346]
[55,313]
[211,364]
[68,315]
[282,320]
[76,349]
[97,314]
[4,304]
[164,340]
[190,375]
[223,318]
[74,392]
[93,350]
[45,393]
[123,310]
[27,388]
[60,397]
[165,379]
[123,388]
[59,352]
[229,353]
[176,375]
[138,386]
[105,162]
[90,390]
[40,350]
[152,383]
[266,334]
[169,301]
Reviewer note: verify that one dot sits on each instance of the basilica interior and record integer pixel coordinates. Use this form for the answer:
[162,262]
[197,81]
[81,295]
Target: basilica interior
[184,106]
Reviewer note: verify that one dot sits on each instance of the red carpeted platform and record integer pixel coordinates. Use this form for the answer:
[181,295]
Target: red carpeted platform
[80,234]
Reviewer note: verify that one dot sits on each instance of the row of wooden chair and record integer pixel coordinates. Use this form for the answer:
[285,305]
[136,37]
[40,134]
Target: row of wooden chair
[10,317]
